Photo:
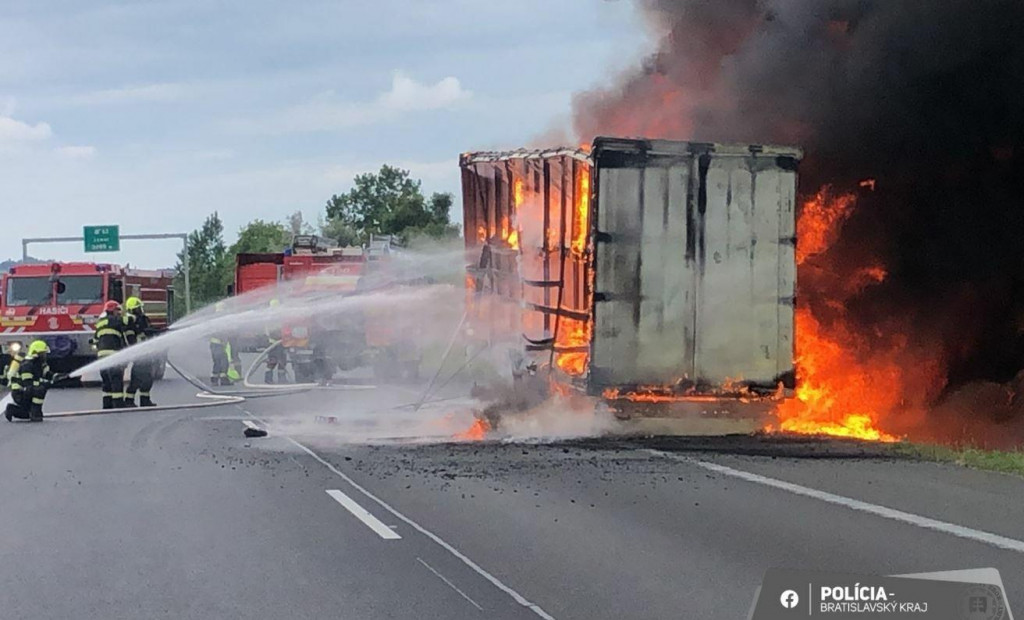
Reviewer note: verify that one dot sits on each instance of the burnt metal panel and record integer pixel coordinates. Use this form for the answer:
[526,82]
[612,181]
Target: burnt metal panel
[694,266]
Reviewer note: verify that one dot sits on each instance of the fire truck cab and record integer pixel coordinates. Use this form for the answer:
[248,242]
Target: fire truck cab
[60,303]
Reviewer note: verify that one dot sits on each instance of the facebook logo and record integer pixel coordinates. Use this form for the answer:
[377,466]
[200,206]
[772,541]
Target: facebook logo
[789,599]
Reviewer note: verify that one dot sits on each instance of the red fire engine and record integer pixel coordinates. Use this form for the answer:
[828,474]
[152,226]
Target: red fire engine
[60,303]
[313,268]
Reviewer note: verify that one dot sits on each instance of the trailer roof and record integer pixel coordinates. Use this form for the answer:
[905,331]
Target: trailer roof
[682,147]
[492,156]
[668,147]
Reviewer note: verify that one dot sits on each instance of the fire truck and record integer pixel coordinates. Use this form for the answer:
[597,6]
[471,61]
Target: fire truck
[314,268]
[60,303]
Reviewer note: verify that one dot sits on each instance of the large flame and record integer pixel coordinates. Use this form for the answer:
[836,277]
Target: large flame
[572,333]
[843,389]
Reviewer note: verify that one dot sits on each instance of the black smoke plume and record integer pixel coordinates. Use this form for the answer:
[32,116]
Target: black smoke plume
[927,99]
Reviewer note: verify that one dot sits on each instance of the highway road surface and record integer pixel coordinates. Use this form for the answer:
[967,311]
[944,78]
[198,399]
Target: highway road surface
[176,514]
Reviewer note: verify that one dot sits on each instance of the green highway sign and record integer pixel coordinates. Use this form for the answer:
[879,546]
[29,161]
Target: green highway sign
[102,238]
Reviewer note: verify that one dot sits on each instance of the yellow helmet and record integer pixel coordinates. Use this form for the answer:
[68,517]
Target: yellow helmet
[133,303]
[37,347]
[274,302]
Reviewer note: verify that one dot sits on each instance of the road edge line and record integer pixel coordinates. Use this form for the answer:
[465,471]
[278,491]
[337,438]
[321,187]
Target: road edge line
[449,583]
[961,531]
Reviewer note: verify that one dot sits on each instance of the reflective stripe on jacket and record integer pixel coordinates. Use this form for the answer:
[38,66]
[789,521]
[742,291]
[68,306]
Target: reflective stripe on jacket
[32,372]
[110,335]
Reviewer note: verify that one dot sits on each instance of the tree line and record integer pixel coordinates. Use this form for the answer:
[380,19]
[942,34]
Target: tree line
[388,202]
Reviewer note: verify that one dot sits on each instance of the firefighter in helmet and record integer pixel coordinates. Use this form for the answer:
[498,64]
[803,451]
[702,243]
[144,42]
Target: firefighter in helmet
[226,363]
[219,352]
[277,358]
[110,338]
[138,329]
[29,385]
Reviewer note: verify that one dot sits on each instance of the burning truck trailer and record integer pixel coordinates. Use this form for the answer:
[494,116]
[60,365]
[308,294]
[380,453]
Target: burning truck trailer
[656,275]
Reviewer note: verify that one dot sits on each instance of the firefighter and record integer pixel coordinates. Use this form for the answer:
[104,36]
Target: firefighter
[10,371]
[109,339]
[277,358]
[29,385]
[138,329]
[220,354]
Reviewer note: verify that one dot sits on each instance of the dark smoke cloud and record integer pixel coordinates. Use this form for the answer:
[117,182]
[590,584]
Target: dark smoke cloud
[925,97]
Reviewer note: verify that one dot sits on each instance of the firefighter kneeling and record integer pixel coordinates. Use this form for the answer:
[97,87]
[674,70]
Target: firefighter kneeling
[29,385]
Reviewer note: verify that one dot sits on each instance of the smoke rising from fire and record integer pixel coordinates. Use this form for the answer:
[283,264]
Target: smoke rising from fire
[912,110]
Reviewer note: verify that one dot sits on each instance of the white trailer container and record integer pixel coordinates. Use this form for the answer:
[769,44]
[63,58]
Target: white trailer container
[694,267]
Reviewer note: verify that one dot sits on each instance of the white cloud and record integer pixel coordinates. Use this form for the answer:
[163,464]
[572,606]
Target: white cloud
[408,94]
[146,93]
[76,152]
[326,112]
[17,132]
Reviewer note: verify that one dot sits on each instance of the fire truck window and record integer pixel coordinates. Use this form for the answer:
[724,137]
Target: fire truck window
[116,290]
[29,291]
[80,290]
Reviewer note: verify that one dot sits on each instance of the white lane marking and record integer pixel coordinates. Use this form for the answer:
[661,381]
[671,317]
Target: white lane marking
[450,584]
[518,598]
[889,513]
[251,424]
[363,515]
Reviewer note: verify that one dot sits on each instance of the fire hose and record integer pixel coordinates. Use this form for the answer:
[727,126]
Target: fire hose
[214,399]
[305,386]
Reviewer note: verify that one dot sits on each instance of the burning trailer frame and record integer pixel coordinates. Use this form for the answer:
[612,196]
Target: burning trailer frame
[638,270]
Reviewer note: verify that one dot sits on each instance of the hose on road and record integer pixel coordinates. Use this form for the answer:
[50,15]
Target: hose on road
[213,399]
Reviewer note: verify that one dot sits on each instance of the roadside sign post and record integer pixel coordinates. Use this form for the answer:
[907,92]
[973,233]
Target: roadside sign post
[102,238]
[108,239]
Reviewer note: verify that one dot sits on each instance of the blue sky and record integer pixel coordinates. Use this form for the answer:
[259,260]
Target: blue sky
[153,114]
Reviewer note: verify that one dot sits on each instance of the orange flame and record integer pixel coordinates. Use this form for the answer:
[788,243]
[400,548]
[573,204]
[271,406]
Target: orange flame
[820,220]
[843,389]
[572,333]
[581,223]
[476,432]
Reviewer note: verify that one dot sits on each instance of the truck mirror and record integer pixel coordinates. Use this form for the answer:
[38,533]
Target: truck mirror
[61,287]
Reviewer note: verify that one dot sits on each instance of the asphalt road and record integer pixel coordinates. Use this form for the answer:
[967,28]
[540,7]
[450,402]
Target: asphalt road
[176,514]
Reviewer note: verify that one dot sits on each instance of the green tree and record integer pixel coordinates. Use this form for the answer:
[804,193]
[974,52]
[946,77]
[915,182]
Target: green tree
[260,236]
[390,202]
[209,264]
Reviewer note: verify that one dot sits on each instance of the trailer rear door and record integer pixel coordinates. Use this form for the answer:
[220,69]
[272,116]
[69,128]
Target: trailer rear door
[694,266]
